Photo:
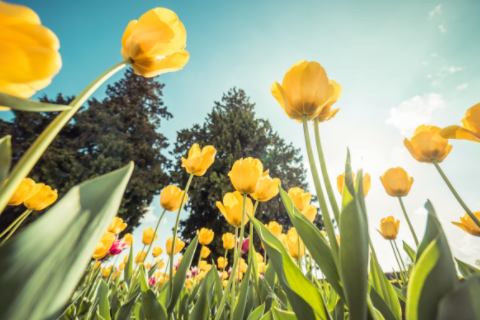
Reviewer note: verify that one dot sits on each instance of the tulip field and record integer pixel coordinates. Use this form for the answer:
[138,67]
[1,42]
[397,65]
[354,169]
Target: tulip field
[74,262]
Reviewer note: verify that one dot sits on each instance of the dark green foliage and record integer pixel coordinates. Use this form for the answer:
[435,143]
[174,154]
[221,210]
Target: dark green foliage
[235,132]
[107,135]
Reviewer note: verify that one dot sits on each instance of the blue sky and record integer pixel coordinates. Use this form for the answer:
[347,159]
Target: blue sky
[401,64]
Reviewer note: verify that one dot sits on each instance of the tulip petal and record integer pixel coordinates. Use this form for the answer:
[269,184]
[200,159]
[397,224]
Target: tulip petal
[19,12]
[457,132]
[279,93]
[153,66]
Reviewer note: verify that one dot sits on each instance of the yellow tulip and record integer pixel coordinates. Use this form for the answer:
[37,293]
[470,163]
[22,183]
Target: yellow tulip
[202,265]
[199,161]
[324,234]
[259,257]
[222,263]
[267,188]
[205,252]
[155,43]
[97,264]
[171,197]
[470,129]
[161,265]
[389,228]
[232,208]
[141,255]
[23,191]
[246,174]
[283,238]
[106,271]
[225,283]
[128,239]
[274,228]
[228,241]
[180,259]
[300,198]
[366,182]
[125,258]
[148,266]
[305,89]
[292,239]
[188,284]
[29,57]
[397,182]
[148,236]
[208,267]
[261,267]
[243,266]
[468,225]
[327,113]
[310,212]
[427,144]
[205,236]
[117,226]
[40,197]
[121,266]
[156,251]
[179,244]
[104,245]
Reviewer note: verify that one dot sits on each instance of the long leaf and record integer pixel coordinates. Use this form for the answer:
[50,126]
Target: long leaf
[411,253]
[462,304]
[126,309]
[128,271]
[152,308]
[41,266]
[283,315]
[5,158]
[466,270]
[380,305]
[242,297]
[21,104]
[103,304]
[306,300]
[202,307]
[257,313]
[268,286]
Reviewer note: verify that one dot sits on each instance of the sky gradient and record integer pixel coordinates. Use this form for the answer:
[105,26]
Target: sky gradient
[401,64]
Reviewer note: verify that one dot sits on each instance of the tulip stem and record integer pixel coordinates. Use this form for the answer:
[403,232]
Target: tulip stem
[31,156]
[232,295]
[321,198]
[198,265]
[224,262]
[250,236]
[172,253]
[402,272]
[401,259]
[326,178]
[457,196]
[14,223]
[408,221]
[154,234]
[15,227]
[235,262]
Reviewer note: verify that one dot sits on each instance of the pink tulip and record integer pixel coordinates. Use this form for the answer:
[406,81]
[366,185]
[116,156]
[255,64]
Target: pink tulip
[153,281]
[118,246]
[245,244]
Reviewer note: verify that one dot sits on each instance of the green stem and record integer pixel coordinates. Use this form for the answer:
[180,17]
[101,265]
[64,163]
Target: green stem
[250,236]
[224,262]
[326,178]
[234,269]
[379,270]
[401,259]
[198,266]
[154,234]
[457,196]
[232,295]
[172,253]
[402,272]
[14,223]
[15,228]
[33,154]
[408,221]
[321,197]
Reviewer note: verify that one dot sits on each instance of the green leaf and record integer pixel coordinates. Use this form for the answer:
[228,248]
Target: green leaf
[104,305]
[399,294]
[126,308]
[34,284]
[98,316]
[434,274]
[194,293]
[152,308]
[466,270]
[241,299]
[268,285]
[411,253]
[128,271]
[381,306]
[143,278]
[218,289]
[257,313]
[315,242]
[268,316]
[202,307]
[164,293]
[353,250]
[181,274]
[283,315]
[21,104]
[462,304]
[5,158]
[306,300]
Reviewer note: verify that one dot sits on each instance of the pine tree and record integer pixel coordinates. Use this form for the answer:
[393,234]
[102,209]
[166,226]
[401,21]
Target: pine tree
[107,135]
[235,132]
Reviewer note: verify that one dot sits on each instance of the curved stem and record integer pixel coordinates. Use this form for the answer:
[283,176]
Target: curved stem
[30,158]
[408,221]
[321,198]
[172,253]
[401,259]
[14,223]
[224,262]
[457,196]
[402,271]
[16,226]
[326,178]
[154,234]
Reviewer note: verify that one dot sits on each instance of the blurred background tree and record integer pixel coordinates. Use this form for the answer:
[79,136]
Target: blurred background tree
[122,127]
[235,132]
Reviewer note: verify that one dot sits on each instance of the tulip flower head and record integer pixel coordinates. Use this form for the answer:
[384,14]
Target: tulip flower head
[222,263]
[188,284]
[205,252]
[23,191]
[195,271]
[128,239]
[152,282]
[125,258]
[245,175]
[242,266]
[292,239]
[40,197]
[97,264]
[267,188]
[301,200]
[156,251]
[121,266]
[228,241]
[470,129]
[118,246]
[106,271]
[427,144]
[179,244]
[327,113]
[389,228]
[305,90]
[140,257]
[468,225]
[117,226]
[29,58]
[103,246]
[160,263]
[171,198]
[199,161]
[274,228]
[232,208]
[245,244]
[366,183]
[202,265]
[261,267]
[397,182]
[225,283]
[155,43]
[148,236]
[259,257]
[205,236]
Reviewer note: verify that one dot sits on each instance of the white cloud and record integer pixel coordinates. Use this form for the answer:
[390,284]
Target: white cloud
[442,28]
[149,216]
[466,246]
[443,72]
[414,112]
[436,10]
[420,211]
[462,86]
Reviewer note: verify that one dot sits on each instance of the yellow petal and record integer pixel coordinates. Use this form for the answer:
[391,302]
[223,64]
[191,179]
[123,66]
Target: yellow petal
[457,132]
